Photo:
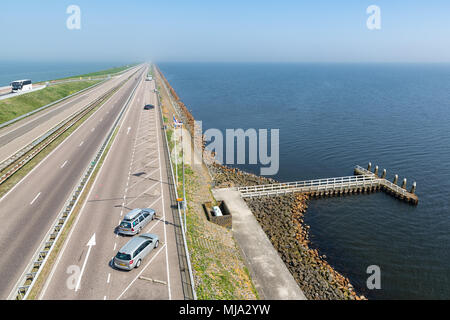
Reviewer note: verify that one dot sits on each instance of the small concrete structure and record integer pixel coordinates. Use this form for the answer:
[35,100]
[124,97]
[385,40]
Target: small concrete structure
[226,220]
[271,277]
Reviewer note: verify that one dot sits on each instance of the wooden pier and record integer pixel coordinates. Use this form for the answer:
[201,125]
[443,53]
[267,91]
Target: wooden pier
[364,181]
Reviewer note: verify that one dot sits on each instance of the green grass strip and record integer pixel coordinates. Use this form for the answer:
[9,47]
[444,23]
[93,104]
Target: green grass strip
[16,106]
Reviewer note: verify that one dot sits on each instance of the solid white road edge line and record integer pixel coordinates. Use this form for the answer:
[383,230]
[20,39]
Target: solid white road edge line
[164,211]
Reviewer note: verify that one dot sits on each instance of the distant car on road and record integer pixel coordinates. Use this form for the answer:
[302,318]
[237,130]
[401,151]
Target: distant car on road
[135,220]
[149,106]
[130,255]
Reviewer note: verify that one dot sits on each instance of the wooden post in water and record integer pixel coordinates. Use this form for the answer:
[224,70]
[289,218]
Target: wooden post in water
[413,188]
[404,184]
[383,174]
[376,170]
[395,179]
[369,167]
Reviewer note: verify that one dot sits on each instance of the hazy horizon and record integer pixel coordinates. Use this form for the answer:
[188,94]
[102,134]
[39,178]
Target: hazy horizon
[322,31]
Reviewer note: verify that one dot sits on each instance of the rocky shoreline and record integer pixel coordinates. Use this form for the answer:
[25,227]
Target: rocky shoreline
[282,219]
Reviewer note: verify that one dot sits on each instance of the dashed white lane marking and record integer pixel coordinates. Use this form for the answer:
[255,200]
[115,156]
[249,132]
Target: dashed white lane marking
[151,204]
[151,228]
[151,162]
[145,141]
[155,185]
[142,180]
[115,246]
[35,198]
[153,172]
[109,278]
[104,298]
[81,143]
[129,128]
[64,164]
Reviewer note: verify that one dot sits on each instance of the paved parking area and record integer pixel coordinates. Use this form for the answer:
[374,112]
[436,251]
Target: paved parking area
[133,176]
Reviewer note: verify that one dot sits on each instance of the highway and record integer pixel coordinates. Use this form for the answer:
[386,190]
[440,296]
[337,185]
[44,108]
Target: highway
[30,208]
[134,175]
[19,134]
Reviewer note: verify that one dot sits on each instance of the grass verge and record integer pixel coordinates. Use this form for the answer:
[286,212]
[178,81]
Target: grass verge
[16,106]
[22,172]
[218,267]
[110,71]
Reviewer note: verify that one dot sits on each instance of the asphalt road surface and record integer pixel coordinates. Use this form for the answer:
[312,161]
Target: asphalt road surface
[29,209]
[19,134]
[133,176]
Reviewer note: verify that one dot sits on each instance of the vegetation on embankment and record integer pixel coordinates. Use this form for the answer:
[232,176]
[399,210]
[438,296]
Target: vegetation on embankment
[281,218]
[22,172]
[106,72]
[16,106]
[219,270]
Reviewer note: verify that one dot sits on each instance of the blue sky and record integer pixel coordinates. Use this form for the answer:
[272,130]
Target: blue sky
[193,30]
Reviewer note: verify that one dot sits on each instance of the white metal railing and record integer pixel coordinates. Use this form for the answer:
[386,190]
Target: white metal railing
[316,185]
[364,170]
[394,187]
[384,182]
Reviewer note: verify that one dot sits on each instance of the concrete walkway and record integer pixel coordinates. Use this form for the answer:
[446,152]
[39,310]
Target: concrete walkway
[272,279]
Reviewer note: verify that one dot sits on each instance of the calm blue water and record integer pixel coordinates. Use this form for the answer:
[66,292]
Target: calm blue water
[38,71]
[332,117]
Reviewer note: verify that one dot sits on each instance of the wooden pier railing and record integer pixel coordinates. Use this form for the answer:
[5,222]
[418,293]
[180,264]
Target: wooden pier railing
[363,181]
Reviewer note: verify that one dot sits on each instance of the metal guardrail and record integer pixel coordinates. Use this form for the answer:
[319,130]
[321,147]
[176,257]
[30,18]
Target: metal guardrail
[4,124]
[35,147]
[7,123]
[191,277]
[40,258]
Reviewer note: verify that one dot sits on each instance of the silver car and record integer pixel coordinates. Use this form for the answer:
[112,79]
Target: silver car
[130,255]
[135,220]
